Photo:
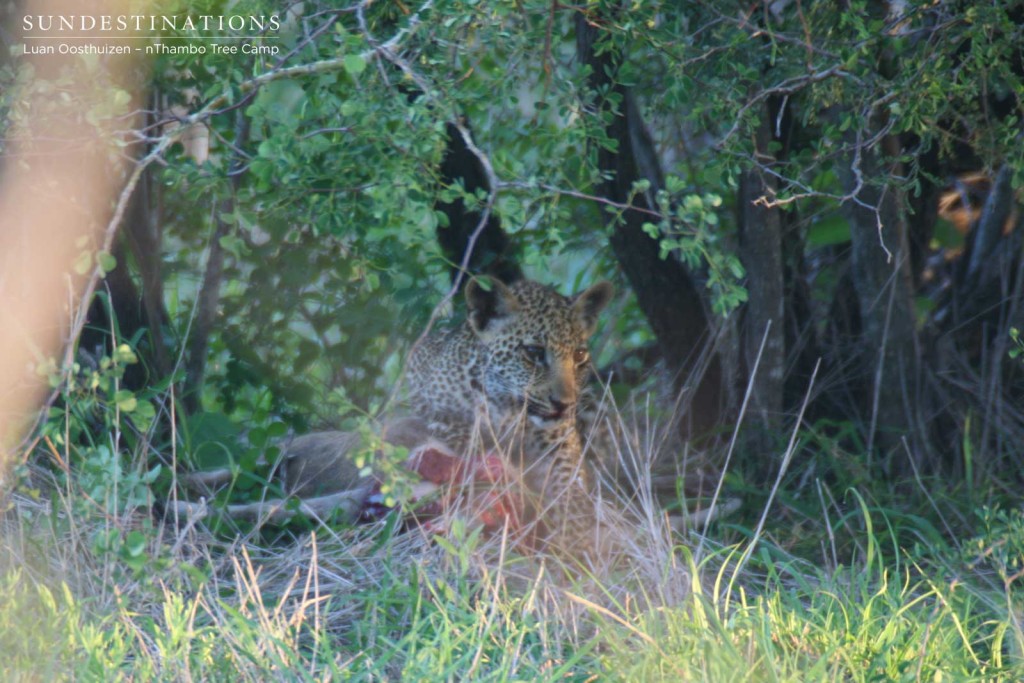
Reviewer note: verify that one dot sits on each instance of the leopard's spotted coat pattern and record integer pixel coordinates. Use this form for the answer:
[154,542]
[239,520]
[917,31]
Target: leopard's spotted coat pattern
[511,377]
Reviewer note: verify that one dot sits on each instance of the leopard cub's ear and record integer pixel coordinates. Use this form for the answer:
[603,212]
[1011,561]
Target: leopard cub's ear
[589,304]
[489,309]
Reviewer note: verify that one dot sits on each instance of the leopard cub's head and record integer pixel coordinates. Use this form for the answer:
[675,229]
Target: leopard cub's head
[535,345]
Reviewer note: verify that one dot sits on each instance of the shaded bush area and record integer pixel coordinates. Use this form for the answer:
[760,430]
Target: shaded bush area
[774,186]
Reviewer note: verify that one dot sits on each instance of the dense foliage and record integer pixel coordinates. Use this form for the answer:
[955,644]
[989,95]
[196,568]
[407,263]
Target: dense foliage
[792,158]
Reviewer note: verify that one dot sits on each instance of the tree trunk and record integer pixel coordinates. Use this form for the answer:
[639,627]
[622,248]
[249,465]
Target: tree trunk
[144,235]
[666,293]
[882,280]
[492,254]
[760,246]
[209,292]
[134,310]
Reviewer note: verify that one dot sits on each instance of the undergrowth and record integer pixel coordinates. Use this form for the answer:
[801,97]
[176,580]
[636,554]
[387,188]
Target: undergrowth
[368,605]
[374,604]
[853,581]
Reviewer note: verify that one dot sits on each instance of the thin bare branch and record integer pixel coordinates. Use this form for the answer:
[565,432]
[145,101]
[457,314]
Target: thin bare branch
[789,86]
[518,185]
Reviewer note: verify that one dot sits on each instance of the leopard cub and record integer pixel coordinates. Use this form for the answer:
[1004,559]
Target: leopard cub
[510,378]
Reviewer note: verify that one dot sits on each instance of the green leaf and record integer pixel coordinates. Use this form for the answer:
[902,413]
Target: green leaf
[143,415]
[83,263]
[213,439]
[126,401]
[258,437]
[121,97]
[106,261]
[135,543]
[354,64]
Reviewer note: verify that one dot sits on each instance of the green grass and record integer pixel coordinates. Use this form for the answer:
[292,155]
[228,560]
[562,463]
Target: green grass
[360,606]
[884,581]
[850,626]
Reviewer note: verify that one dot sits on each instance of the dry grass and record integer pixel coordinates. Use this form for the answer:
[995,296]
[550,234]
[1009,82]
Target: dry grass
[79,600]
[274,605]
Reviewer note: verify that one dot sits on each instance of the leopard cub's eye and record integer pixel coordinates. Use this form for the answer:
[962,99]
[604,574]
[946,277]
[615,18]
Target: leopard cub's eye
[534,354]
[581,356]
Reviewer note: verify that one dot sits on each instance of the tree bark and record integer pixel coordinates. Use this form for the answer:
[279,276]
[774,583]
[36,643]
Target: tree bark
[666,293]
[760,246]
[209,292]
[984,240]
[134,309]
[880,260]
[493,253]
[144,235]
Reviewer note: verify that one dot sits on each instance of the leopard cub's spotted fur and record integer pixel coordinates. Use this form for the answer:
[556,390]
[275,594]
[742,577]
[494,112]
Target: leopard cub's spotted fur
[511,377]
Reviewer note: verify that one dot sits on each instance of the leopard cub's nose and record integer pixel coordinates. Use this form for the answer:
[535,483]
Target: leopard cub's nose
[557,406]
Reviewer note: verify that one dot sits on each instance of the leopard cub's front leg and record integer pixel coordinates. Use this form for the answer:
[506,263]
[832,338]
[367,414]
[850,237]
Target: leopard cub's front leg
[561,496]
